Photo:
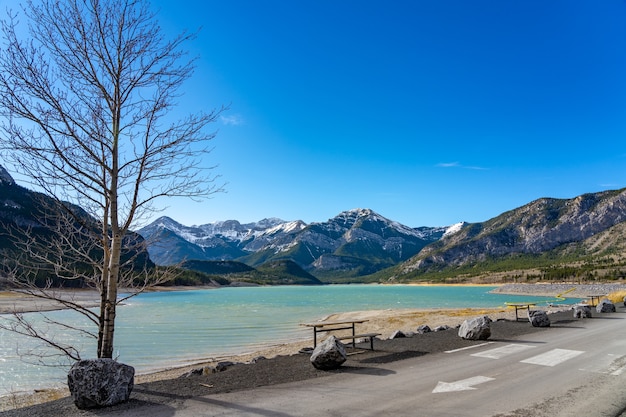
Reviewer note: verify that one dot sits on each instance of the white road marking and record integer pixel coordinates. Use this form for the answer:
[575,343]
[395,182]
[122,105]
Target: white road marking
[468,347]
[462,385]
[502,351]
[553,357]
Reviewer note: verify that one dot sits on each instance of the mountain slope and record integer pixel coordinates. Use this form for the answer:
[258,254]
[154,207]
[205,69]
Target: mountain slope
[30,217]
[283,272]
[544,226]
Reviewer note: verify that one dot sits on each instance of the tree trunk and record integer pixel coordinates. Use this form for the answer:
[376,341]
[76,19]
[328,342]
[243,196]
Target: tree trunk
[110,298]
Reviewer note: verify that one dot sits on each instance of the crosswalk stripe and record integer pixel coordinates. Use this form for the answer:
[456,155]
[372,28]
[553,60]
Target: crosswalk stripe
[502,351]
[553,357]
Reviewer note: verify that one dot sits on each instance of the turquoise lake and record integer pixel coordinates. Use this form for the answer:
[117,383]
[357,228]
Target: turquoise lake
[166,329]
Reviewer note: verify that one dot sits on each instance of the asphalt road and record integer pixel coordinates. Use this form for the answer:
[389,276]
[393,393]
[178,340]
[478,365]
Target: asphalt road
[574,370]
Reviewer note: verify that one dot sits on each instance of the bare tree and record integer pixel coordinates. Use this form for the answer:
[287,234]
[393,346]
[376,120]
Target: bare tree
[85,102]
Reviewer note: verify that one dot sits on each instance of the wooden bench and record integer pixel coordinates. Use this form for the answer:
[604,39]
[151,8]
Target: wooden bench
[369,336]
[330,326]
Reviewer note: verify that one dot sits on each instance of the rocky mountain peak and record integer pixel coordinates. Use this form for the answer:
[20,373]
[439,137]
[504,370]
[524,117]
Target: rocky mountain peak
[5,177]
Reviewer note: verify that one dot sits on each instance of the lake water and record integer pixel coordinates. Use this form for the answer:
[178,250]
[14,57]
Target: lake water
[165,329]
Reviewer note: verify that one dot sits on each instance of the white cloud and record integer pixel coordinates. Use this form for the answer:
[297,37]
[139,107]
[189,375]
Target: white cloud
[458,165]
[234,120]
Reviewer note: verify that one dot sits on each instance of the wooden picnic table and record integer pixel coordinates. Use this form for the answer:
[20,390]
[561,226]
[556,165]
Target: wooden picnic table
[521,306]
[595,297]
[329,326]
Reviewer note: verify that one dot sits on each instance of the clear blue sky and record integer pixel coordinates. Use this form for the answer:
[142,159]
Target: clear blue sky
[428,112]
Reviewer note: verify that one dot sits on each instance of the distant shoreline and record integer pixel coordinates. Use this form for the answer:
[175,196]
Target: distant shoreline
[21,302]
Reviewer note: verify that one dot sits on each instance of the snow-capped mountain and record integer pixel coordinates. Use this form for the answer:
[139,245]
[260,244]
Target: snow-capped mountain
[355,242]
[171,242]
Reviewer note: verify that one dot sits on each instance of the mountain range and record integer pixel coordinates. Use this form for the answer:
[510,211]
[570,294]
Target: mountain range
[566,239]
[581,237]
[354,243]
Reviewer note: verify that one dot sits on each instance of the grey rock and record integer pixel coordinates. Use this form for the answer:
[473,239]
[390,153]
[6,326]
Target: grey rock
[96,383]
[423,329]
[195,371]
[441,328]
[605,306]
[538,318]
[330,354]
[478,328]
[397,334]
[582,311]
[222,366]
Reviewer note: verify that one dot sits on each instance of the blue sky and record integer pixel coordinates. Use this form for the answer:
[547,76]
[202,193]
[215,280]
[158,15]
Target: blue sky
[427,112]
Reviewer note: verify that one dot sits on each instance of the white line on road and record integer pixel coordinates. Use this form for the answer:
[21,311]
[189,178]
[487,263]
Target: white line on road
[502,351]
[553,357]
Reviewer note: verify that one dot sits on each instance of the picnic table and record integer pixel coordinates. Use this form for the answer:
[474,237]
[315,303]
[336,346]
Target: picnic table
[521,306]
[596,298]
[330,326]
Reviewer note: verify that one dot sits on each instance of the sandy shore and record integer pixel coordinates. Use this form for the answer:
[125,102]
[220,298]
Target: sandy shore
[22,302]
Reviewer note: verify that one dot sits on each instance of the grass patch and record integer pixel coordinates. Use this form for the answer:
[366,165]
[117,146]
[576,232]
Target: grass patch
[617,296]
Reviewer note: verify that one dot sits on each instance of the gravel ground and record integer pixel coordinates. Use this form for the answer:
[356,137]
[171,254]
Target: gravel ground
[285,369]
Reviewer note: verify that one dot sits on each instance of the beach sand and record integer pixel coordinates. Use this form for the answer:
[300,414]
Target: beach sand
[22,302]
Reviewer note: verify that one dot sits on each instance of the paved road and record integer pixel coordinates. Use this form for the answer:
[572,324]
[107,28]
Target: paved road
[568,371]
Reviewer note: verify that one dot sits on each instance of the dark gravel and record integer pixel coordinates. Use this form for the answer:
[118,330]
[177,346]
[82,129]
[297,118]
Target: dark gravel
[287,369]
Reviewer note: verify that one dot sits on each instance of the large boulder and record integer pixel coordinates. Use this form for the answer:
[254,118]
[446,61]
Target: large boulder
[478,328]
[330,354]
[605,306]
[96,383]
[582,311]
[538,318]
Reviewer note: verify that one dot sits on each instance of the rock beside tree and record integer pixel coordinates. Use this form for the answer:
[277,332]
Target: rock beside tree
[97,383]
